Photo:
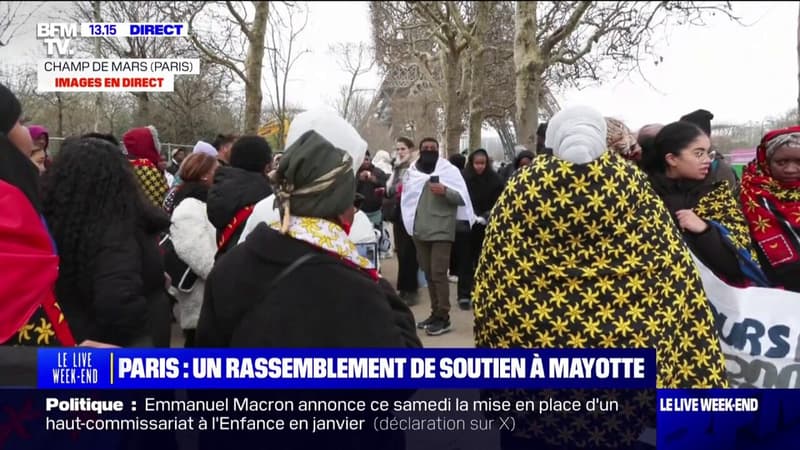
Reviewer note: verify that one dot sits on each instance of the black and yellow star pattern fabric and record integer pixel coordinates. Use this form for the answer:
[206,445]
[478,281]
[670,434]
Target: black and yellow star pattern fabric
[153,182]
[722,207]
[587,256]
[40,331]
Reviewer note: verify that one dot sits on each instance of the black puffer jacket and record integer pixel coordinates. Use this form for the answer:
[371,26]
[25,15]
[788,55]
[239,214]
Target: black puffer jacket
[241,309]
[123,301]
[233,190]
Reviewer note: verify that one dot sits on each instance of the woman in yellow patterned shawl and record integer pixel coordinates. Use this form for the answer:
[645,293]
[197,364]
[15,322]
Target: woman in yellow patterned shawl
[708,215]
[580,253]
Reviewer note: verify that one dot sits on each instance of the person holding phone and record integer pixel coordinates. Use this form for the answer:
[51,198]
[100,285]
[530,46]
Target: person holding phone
[434,197]
[371,185]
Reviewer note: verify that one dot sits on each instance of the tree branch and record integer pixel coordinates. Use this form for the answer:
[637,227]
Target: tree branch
[242,23]
[562,57]
[563,32]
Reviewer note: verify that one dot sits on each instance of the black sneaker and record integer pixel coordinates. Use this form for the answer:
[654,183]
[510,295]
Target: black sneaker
[426,323]
[464,303]
[438,327]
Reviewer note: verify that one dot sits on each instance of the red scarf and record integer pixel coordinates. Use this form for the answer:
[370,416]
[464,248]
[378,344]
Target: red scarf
[238,221]
[28,266]
[770,231]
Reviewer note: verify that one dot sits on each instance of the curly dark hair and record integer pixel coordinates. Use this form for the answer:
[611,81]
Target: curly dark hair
[89,186]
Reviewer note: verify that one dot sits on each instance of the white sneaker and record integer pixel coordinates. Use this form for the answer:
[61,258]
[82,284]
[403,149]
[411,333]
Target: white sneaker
[453,278]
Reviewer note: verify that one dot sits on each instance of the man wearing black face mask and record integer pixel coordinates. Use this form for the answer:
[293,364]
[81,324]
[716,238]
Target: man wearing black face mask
[434,196]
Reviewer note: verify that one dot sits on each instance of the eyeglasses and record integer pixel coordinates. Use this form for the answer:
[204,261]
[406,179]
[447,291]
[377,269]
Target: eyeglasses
[703,154]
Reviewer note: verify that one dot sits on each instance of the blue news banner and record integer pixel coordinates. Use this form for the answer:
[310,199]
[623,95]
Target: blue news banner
[380,399]
[344,369]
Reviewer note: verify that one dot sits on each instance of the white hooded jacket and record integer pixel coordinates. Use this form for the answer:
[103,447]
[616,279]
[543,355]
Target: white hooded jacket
[194,239]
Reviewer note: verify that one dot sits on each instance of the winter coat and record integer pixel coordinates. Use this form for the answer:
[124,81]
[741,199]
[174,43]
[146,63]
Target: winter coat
[341,307]
[194,240]
[233,190]
[484,189]
[122,298]
[436,216]
[367,188]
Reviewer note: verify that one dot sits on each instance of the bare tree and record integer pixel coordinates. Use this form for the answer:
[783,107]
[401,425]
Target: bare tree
[478,42]
[488,59]
[286,25]
[232,35]
[353,104]
[132,46]
[118,110]
[425,36]
[356,60]
[187,113]
[12,19]
[575,41]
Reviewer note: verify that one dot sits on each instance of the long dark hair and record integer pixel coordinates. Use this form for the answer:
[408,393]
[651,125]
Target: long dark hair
[670,140]
[89,187]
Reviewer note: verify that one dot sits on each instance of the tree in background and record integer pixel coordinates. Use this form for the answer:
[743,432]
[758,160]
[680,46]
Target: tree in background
[356,60]
[231,35]
[583,41]
[286,24]
[12,18]
[482,36]
[136,47]
[424,34]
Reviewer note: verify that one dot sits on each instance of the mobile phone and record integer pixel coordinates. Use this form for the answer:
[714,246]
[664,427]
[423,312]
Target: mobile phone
[435,179]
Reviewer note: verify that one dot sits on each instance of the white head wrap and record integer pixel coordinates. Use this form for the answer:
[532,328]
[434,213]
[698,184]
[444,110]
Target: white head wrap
[382,160]
[577,134]
[332,127]
[206,148]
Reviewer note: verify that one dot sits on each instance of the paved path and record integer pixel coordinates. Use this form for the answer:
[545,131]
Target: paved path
[459,336]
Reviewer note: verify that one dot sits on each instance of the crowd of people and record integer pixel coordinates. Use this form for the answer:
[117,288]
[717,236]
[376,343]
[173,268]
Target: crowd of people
[585,241]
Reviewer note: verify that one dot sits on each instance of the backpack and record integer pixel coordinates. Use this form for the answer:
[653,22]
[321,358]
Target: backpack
[183,279]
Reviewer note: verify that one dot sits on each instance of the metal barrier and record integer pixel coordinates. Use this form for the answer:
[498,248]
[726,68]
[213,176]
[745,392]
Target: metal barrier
[167,148]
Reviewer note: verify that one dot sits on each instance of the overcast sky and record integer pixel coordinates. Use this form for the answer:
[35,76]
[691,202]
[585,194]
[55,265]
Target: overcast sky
[739,73]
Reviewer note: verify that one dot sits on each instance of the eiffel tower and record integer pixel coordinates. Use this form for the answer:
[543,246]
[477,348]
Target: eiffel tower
[407,80]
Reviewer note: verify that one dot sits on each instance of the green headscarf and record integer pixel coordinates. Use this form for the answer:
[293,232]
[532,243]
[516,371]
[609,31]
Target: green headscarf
[314,179]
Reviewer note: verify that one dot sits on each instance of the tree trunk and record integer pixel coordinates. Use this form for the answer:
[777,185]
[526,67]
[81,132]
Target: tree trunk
[142,109]
[478,73]
[253,66]
[528,70]
[475,107]
[453,117]
[349,98]
[60,103]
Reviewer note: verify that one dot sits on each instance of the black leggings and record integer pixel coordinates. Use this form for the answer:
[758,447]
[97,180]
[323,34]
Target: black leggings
[471,244]
[407,266]
[188,336]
